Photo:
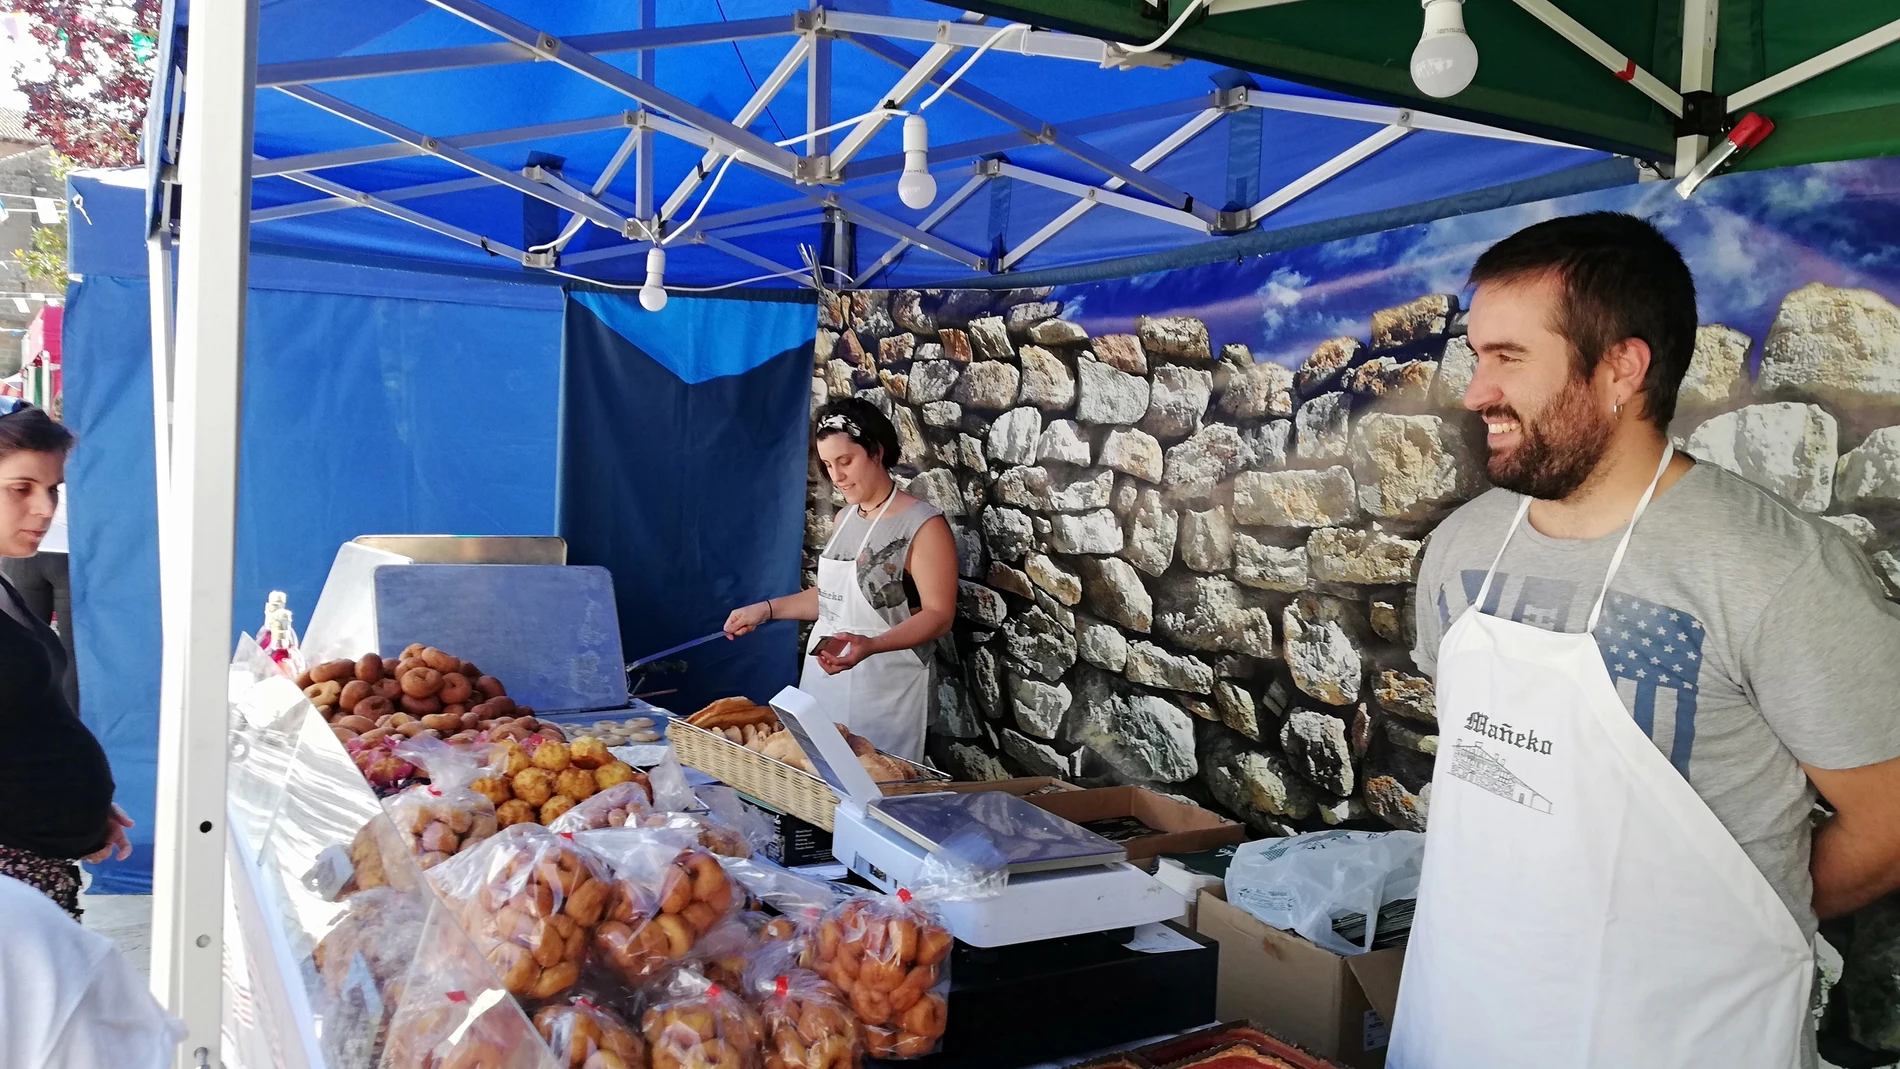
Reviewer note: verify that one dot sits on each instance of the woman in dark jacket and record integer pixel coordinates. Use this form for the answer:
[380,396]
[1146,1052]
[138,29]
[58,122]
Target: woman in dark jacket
[55,785]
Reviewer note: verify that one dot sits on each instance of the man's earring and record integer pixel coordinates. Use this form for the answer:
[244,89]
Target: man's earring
[1616,409]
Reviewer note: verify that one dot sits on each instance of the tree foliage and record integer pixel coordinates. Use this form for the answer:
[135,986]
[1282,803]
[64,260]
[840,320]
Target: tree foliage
[90,102]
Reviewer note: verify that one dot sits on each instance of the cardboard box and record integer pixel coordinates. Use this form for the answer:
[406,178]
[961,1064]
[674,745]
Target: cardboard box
[1338,1007]
[1182,828]
[1018,787]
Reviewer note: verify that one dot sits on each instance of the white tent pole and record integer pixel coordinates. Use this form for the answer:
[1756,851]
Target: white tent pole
[818,90]
[1325,172]
[1698,71]
[920,73]
[1623,67]
[396,150]
[196,578]
[158,275]
[937,215]
[643,152]
[761,99]
[339,202]
[1162,150]
[1877,38]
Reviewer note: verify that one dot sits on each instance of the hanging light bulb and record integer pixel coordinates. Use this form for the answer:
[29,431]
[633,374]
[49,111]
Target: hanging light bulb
[915,187]
[653,294]
[1445,60]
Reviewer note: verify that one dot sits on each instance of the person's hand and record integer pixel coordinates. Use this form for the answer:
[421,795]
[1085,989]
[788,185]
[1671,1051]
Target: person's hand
[746,618]
[115,838]
[843,650]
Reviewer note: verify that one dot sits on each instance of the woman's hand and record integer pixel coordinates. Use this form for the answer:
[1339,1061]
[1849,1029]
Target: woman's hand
[115,838]
[842,650]
[747,618]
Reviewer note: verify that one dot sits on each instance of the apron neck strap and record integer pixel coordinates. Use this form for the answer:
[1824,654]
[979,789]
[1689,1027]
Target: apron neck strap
[838,528]
[1616,559]
[1622,547]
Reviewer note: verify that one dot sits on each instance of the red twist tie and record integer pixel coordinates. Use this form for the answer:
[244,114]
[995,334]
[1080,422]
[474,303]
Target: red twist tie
[1628,73]
[714,991]
[782,986]
[436,791]
[568,835]
[903,895]
[458,996]
[585,1001]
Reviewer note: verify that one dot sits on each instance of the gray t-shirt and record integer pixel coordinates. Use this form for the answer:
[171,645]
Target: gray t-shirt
[1744,636]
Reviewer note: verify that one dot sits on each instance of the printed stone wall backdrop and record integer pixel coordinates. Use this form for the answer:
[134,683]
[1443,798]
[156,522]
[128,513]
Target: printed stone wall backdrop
[1188,568]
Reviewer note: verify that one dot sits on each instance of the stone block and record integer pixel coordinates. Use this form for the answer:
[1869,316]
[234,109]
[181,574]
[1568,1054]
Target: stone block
[1415,320]
[1040,707]
[990,339]
[1836,345]
[945,414]
[1260,390]
[1063,443]
[1008,533]
[1133,452]
[1195,467]
[1455,370]
[938,487]
[1037,642]
[1152,666]
[1411,467]
[1012,438]
[1324,498]
[1177,337]
[1323,365]
[1406,695]
[1718,371]
[1088,532]
[1870,475]
[980,605]
[1122,352]
[1101,644]
[1013,580]
[1322,648]
[1369,557]
[1047,381]
[1111,590]
[989,385]
[1322,429]
[932,380]
[1063,585]
[1151,533]
[1209,613]
[1315,746]
[1057,332]
[1264,566]
[1785,447]
[1105,395]
[1207,540]
[1177,399]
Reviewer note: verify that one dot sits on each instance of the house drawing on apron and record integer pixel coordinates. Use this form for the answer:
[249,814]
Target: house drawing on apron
[1475,765]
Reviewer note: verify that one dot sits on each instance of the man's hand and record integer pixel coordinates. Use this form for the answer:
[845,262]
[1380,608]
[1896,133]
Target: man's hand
[115,838]
[1857,853]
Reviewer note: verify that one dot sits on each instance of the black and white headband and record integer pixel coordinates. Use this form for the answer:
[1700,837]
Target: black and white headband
[838,421]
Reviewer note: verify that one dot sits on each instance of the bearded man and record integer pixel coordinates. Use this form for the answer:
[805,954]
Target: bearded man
[1646,670]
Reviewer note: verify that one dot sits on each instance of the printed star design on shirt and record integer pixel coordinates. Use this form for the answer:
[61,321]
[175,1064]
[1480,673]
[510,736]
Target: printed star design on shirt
[1662,673]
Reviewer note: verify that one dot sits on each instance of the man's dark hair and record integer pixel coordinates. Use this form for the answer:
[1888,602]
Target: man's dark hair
[30,430]
[1621,279]
[863,423]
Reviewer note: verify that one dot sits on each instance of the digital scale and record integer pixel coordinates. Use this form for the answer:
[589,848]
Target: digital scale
[1063,880]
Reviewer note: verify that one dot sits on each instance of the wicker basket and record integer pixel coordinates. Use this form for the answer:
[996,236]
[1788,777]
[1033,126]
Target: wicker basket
[776,783]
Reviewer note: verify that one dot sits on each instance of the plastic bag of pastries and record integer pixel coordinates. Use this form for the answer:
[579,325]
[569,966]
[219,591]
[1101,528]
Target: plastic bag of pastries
[445,816]
[531,900]
[382,929]
[615,807]
[891,961]
[697,1024]
[586,1035]
[667,894]
[808,1024]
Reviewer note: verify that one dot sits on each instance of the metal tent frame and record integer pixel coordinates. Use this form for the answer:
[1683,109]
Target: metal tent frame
[209,168]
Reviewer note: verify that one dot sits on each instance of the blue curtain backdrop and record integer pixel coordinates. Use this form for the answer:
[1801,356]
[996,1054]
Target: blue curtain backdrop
[683,472]
[362,415]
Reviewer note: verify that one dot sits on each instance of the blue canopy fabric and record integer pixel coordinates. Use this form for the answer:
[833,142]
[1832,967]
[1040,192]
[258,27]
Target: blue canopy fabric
[1237,159]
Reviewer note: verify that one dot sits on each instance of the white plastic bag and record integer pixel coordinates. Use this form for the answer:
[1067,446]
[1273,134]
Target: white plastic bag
[1302,882]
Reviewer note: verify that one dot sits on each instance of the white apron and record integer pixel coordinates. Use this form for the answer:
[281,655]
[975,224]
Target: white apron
[886,696]
[1580,906]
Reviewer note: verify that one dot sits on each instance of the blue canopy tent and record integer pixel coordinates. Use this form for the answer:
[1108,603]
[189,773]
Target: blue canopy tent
[766,146]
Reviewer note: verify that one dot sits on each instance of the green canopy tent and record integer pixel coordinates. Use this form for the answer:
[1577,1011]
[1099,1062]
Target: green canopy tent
[1608,74]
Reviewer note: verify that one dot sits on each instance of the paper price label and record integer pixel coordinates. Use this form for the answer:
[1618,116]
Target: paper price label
[1376,1032]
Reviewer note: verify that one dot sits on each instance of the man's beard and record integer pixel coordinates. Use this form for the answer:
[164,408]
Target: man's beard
[1559,452]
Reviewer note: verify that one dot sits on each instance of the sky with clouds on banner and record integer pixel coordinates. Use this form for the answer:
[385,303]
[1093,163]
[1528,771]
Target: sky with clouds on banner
[1749,238]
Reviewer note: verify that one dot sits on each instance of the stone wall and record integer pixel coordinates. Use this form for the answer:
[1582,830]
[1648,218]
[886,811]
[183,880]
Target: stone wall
[1189,569]
[1182,567]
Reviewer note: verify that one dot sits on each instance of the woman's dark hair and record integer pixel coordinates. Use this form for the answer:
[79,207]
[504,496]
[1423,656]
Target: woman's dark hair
[859,420]
[27,429]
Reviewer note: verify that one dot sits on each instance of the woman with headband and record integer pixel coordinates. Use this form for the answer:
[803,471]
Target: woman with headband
[56,790]
[887,589]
